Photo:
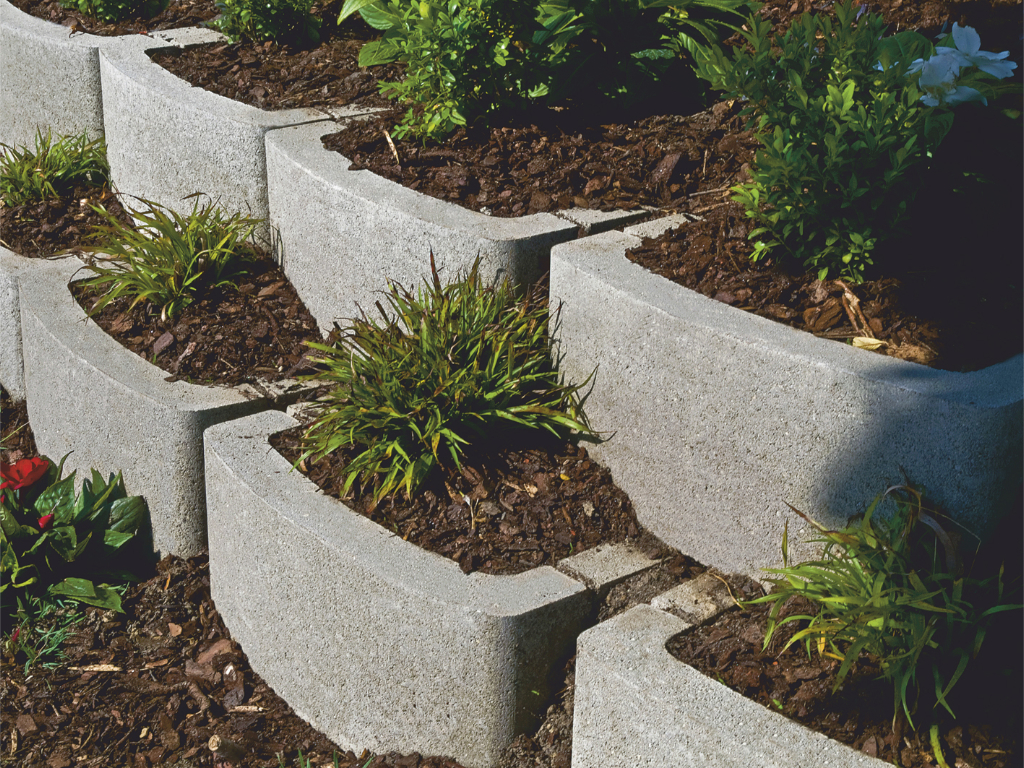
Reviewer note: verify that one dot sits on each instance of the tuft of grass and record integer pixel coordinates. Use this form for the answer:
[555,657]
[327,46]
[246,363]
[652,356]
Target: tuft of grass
[44,623]
[52,169]
[440,369]
[168,258]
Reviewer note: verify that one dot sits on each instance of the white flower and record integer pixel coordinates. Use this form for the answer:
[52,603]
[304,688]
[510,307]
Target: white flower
[938,81]
[968,47]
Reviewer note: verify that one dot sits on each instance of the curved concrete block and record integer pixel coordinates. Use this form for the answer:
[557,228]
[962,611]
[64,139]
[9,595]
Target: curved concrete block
[50,77]
[88,394]
[379,644]
[12,366]
[719,417]
[344,233]
[638,706]
[167,140]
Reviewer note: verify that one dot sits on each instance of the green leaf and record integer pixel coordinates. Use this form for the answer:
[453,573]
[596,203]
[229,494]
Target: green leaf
[84,591]
[58,500]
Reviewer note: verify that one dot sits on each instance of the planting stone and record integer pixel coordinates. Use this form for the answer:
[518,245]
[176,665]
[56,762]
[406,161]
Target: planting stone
[167,140]
[116,412]
[386,646]
[50,76]
[12,367]
[343,233]
[638,705]
[718,418]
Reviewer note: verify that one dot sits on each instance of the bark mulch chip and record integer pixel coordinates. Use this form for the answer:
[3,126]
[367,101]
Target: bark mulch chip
[178,14]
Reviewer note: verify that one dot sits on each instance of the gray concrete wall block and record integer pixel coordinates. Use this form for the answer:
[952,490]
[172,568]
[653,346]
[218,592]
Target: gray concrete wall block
[114,411]
[12,366]
[49,78]
[379,644]
[342,234]
[718,418]
[639,707]
[167,140]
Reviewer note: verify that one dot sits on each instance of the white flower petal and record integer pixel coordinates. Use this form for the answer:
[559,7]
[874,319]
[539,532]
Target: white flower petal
[963,94]
[1000,69]
[967,40]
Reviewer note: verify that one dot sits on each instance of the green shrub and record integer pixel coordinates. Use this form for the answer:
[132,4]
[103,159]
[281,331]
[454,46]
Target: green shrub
[112,11]
[51,538]
[469,59]
[848,119]
[52,169]
[894,589]
[450,365]
[841,126]
[169,258]
[278,20]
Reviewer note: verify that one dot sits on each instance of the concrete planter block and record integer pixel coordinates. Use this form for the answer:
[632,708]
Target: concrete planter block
[167,140]
[379,644]
[637,705]
[12,366]
[343,233]
[719,418]
[88,394]
[50,78]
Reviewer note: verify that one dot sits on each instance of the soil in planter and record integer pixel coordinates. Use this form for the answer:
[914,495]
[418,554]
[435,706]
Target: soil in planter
[178,14]
[228,335]
[271,76]
[529,501]
[987,700]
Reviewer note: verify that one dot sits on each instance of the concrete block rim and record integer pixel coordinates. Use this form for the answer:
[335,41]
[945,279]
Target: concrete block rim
[603,258]
[644,632]
[359,539]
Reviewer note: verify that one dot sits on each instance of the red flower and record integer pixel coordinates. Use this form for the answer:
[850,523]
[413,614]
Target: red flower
[45,522]
[23,473]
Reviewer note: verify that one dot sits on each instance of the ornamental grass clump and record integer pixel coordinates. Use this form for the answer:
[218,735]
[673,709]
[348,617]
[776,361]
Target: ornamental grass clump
[168,258]
[52,169]
[896,589]
[444,368]
[848,120]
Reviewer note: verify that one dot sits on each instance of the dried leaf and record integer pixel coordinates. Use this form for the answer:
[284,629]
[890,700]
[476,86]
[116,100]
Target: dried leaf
[865,342]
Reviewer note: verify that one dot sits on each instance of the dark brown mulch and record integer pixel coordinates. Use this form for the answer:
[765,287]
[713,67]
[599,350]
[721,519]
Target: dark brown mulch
[150,687]
[228,335]
[525,502]
[49,227]
[987,699]
[179,13]
[15,433]
[272,76]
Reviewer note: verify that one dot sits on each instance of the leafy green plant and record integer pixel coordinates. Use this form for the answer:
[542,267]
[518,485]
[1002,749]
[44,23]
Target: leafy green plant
[469,59]
[843,125]
[464,58]
[111,11]
[894,589]
[52,538]
[43,623]
[52,169]
[451,364]
[278,20]
[169,257]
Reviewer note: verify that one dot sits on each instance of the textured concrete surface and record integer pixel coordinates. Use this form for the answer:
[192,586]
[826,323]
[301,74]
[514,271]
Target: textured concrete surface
[718,418]
[379,644]
[12,368]
[50,77]
[606,565]
[639,707]
[167,140]
[695,601]
[344,233]
[88,394]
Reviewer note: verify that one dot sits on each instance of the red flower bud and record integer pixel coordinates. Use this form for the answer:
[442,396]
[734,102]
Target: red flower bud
[23,473]
[45,522]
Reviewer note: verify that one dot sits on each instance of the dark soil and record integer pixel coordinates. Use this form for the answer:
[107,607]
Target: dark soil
[50,227]
[271,76]
[525,502]
[15,434]
[179,13]
[987,699]
[227,336]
